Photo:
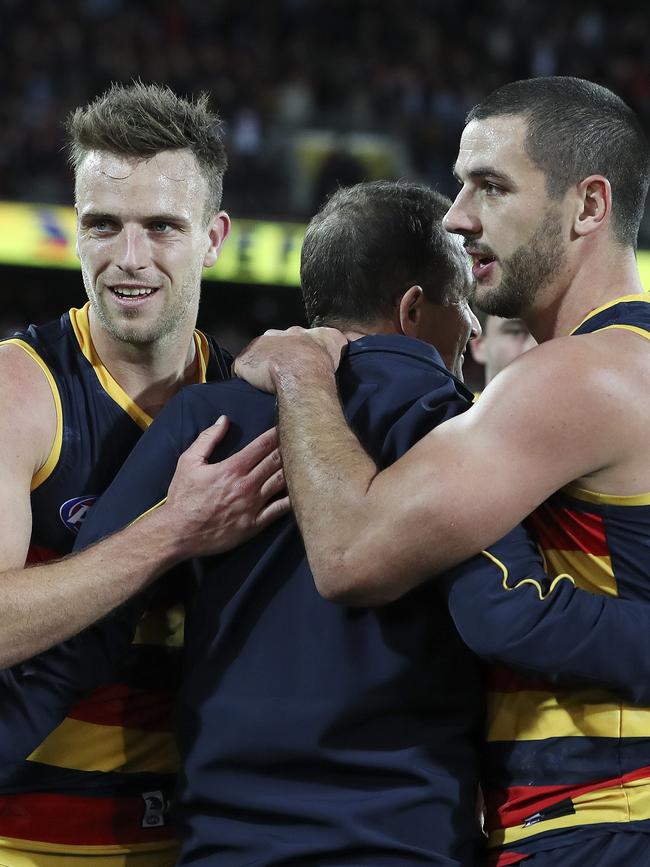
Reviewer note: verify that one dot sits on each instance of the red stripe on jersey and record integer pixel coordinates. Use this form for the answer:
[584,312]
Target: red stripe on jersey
[504,859]
[118,705]
[510,807]
[38,554]
[557,528]
[64,819]
[504,680]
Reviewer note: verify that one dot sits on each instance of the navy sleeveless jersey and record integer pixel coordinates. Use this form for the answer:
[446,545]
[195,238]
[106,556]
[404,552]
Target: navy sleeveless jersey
[81,791]
[566,763]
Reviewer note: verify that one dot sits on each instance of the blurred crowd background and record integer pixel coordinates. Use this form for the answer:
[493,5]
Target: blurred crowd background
[313,93]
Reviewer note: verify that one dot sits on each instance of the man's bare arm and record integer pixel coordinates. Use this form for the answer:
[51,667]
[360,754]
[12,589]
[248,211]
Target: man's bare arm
[371,536]
[210,508]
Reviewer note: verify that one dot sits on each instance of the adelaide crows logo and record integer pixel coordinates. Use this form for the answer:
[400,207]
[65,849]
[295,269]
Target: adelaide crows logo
[73,512]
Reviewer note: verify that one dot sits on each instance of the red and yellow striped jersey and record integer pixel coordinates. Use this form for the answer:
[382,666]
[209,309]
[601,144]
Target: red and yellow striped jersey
[100,783]
[567,761]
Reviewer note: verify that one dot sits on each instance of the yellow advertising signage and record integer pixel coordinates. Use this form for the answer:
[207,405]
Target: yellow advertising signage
[256,251]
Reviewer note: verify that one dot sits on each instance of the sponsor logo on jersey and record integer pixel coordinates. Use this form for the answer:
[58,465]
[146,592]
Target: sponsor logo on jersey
[155,808]
[73,512]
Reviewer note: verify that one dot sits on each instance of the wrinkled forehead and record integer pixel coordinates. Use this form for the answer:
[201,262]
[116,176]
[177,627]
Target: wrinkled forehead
[168,175]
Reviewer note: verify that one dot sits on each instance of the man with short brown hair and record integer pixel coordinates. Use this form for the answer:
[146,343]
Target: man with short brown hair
[76,395]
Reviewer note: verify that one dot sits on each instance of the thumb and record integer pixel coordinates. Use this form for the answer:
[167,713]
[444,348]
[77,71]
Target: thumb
[208,440]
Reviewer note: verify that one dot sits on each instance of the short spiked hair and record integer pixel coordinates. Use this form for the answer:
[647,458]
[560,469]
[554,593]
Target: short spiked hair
[141,120]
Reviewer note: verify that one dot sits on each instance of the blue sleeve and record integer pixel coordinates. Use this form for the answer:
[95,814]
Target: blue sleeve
[143,479]
[38,694]
[390,413]
[508,611]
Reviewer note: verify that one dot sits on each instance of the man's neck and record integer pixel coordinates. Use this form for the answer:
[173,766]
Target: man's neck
[149,373]
[600,279]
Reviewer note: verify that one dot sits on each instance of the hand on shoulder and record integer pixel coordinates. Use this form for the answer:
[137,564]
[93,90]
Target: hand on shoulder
[299,352]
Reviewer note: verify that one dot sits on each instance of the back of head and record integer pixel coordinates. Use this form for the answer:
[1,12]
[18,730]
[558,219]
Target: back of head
[141,120]
[577,128]
[368,244]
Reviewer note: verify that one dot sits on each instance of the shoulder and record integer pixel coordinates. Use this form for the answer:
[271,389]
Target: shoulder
[555,374]
[561,402]
[201,405]
[401,362]
[23,373]
[28,411]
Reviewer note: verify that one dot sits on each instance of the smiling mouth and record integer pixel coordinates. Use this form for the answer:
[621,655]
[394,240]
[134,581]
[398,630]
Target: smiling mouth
[133,292]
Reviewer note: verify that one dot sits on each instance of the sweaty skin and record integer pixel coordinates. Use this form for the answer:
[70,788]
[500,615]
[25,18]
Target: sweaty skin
[550,418]
[141,225]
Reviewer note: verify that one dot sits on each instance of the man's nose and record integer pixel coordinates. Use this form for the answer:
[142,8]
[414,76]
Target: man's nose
[460,218]
[134,252]
[475,325]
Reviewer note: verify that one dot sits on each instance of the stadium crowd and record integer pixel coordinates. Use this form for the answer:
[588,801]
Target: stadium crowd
[407,71]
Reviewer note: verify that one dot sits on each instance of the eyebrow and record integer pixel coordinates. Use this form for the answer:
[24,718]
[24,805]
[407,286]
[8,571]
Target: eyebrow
[481,172]
[149,218]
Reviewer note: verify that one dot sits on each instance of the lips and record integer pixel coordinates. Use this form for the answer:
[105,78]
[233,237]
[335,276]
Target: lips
[133,294]
[483,261]
[483,267]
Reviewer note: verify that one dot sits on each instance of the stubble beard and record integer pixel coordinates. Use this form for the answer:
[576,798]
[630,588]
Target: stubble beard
[164,327]
[532,267]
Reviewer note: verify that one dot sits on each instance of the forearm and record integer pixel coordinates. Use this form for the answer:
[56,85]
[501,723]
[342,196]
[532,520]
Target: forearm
[46,604]
[328,475]
[510,613]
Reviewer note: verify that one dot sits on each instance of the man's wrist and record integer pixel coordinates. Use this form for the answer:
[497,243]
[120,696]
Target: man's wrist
[307,368]
[161,534]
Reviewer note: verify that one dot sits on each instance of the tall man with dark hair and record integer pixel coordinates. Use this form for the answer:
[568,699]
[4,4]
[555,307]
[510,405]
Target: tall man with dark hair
[553,176]
[76,395]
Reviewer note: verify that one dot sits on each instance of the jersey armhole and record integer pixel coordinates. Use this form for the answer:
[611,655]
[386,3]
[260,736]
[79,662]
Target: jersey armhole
[47,467]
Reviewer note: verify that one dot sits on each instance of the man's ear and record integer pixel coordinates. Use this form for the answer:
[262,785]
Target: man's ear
[593,205]
[218,230]
[409,311]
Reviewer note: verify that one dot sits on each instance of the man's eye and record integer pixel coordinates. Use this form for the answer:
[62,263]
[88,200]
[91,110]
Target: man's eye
[101,227]
[160,226]
[492,189]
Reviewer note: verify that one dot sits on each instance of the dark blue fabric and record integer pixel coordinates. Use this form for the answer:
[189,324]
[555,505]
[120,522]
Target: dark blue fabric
[565,638]
[312,733]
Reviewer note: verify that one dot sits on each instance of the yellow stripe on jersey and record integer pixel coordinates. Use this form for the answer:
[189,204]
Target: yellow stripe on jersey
[202,353]
[81,326]
[645,296]
[628,802]
[45,471]
[522,581]
[589,571]
[532,715]
[607,499]
[634,328]
[86,746]
[161,627]
[24,853]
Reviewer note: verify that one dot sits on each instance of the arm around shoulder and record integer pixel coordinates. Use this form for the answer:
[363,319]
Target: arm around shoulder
[372,536]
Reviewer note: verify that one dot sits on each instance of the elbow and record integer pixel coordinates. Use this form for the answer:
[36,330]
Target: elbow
[351,579]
